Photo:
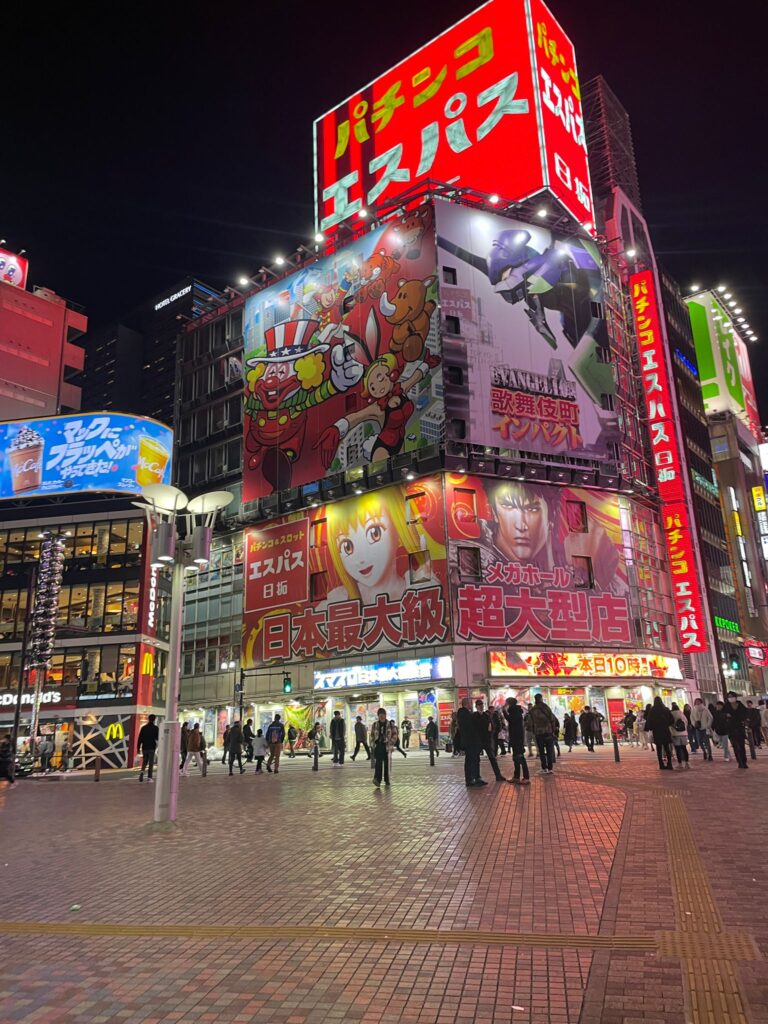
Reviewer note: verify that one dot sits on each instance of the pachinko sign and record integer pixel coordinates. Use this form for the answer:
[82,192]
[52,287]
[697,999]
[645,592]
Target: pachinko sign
[492,104]
[668,464]
[538,563]
[359,575]
[342,360]
[13,269]
[531,340]
[387,674]
[509,664]
[86,452]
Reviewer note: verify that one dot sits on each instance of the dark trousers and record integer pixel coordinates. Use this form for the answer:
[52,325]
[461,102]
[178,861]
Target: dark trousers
[546,747]
[498,744]
[599,738]
[432,744]
[338,751]
[249,750]
[682,752]
[588,740]
[738,741]
[224,755]
[521,765]
[380,764]
[358,744]
[663,750]
[703,738]
[471,764]
[235,755]
[259,762]
[183,759]
[147,761]
[406,740]
[492,761]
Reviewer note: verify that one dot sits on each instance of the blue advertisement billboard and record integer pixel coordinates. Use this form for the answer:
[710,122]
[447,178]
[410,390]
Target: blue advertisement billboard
[98,451]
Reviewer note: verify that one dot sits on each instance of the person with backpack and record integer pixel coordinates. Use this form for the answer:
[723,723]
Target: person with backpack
[516,733]
[291,737]
[659,722]
[275,736]
[361,739]
[629,725]
[679,733]
[542,723]
[260,750]
[720,728]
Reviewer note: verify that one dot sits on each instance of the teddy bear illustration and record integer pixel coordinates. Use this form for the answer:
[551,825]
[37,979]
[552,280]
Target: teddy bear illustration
[409,311]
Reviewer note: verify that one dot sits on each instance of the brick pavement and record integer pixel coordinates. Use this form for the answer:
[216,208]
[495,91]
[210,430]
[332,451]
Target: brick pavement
[605,894]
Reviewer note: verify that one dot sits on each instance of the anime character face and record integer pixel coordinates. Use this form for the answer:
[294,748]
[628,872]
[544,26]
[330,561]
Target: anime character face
[327,297]
[368,549]
[378,382]
[278,382]
[523,521]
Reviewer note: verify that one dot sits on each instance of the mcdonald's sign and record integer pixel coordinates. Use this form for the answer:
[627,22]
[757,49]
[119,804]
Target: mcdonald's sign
[147,663]
[115,731]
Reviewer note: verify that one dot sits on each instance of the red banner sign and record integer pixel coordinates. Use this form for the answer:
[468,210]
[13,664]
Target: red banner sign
[276,565]
[492,104]
[668,464]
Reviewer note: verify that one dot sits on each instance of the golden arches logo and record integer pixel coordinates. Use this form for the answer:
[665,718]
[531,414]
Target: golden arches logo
[115,731]
[148,663]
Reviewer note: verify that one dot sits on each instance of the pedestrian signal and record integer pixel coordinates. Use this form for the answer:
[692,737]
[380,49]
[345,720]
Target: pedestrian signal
[287,684]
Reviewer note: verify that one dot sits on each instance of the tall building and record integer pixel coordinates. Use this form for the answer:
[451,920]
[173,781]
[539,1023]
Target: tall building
[609,142]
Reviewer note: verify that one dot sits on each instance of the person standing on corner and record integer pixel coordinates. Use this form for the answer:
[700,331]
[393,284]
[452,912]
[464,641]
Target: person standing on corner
[407,727]
[701,720]
[235,747]
[764,719]
[586,724]
[471,742]
[754,724]
[275,737]
[529,736]
[291,737]
[432,736]
[679,734]
[383,739]
[720,728]
[597,726]
[659,722]
[361,739]
[484,727]
[248,735]
[338,738]
[737,720]
[194,746]
[183,745]
[498,729]
[225,743]
[543,726]
[570,730]
[455,735]
[260,750]
[516,732]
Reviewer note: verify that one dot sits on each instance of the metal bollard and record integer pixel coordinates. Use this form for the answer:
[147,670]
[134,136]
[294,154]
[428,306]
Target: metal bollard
[616,754]
[315,758]
[97,770]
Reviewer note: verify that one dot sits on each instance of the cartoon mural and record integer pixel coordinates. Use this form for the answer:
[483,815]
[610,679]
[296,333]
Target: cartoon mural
[342,364]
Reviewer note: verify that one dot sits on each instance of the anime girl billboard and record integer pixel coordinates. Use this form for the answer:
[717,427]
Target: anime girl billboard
[374,575]
[342,360]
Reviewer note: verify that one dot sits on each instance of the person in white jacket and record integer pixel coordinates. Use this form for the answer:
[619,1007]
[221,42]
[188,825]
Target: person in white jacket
[260,750]
[679,734]
[701,720]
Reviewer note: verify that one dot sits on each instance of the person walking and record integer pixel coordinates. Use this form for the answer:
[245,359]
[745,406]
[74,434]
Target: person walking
[529,736]
[629,725]
[225,744]
[146,745]
[570,730]
[754,724]
[484,727]
[407,728]
[516,733]
[248,735]
[338,737]
[361,739]
[690,728]
[471,742]
[498,728]
[454,734]
[235,747]
[383,739]
[183,744]
[642,735]
[586,724]
[260,750]
[432,736]
[701,720]
[659,722]
[291,737]
[46,752]
[397,746]
[720,728]
[194,747]
[679,734]
[66,753]
[597,726]
[204,755]
[275,737]
[543,727]
[737,721]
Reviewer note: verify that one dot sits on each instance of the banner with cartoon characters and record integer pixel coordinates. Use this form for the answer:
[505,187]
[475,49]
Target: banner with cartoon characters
[529,343]
[536,563]
[364,574]
[342,360]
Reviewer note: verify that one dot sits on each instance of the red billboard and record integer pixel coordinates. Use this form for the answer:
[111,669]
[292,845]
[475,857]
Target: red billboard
[13,269]
[359,575]
[491,104]
[668,464]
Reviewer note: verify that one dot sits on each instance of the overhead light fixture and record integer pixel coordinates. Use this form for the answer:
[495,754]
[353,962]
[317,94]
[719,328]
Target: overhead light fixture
[358,490]
[410,475]
[363,214]
[493,199]
[587,225]
[740,319]
[243,281]
[731,305]
[721,288]
[737,309]
[694,287]
[542,212]
[726,295]
[319,237]
[631,253]
[279,260]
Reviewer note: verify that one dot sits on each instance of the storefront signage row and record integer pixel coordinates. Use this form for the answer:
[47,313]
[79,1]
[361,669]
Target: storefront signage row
[508,664]
[668,464]
[11,699]
[385,674]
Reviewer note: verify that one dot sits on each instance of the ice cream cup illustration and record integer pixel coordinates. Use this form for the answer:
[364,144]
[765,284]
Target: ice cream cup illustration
[153,458]
[25,457]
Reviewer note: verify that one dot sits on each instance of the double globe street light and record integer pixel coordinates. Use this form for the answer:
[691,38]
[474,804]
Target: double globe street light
[181,530]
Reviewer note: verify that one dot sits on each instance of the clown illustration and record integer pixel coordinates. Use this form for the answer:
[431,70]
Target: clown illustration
[293,376]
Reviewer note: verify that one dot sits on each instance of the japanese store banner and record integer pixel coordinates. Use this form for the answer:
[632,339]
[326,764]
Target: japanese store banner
[532,562]
[342,360]
[372,578]
[531,341]
[13,269]
[492,104]
[510,664]
[87,452]
[668,463]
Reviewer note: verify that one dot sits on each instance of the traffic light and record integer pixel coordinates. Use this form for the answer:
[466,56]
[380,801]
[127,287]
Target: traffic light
[735,663]
[287,684]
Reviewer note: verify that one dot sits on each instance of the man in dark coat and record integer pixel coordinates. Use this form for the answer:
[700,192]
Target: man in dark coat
[338,737]
[235,747]
[586,724]
[516,732]
[737,720]
[470,741]
[248,735]
[361,739]
[658,721]
[146,745]
[485,733]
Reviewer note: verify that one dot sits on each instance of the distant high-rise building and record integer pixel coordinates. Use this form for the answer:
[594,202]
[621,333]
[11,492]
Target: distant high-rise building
[609,141]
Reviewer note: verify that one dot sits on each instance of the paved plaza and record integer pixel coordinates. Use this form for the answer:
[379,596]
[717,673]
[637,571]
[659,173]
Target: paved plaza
[609,893]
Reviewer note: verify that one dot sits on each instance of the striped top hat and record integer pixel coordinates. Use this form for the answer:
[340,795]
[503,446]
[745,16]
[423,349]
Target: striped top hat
[288,340]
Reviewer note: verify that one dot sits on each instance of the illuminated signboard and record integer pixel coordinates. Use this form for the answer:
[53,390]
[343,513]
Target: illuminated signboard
[47,697]
[508,664]
[668,464]
[172,298]
[728,624]
[758,498]
[492,104]
[87,452]
[416,670]
[757,653]
[13,269]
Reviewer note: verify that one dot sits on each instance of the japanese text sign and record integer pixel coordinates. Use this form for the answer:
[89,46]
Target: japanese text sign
[504,664]
[502,81]
[685,581]
[13,269]
[87,452]
[386,674]
[276,565]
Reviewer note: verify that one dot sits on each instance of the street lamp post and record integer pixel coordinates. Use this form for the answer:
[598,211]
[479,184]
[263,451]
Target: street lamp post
[237,693]
[167,508]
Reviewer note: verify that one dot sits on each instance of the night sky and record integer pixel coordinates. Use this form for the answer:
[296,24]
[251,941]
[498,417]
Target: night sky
[177,138]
